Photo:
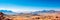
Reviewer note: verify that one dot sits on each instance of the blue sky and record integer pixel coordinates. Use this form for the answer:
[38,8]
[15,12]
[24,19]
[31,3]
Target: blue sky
[29,5]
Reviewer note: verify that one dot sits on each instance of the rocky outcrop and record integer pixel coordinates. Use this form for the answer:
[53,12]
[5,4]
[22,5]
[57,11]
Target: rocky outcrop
[2,17]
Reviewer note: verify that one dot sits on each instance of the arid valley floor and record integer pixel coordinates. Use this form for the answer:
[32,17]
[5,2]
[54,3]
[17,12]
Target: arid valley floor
[47,16]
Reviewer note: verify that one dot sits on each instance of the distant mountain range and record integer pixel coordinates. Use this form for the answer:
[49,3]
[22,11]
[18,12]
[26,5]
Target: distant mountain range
[5,11]
[9,12]
[44,11]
